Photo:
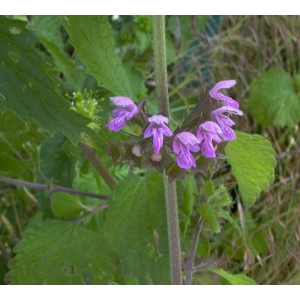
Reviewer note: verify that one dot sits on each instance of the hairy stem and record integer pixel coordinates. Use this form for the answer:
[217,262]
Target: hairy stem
[161,78]
[100,167]
[193,253]
[52,188]
[160,64]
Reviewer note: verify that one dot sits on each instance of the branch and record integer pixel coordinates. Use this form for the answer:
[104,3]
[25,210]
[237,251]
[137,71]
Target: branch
[190,269]
[52,188]
[100,167]
[89,213]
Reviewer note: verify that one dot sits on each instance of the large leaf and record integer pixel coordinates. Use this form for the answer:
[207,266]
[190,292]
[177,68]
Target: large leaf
[48,30]
[273,100]
[137,226]
[253,162]
[92,39]
[58,252]
[28,91]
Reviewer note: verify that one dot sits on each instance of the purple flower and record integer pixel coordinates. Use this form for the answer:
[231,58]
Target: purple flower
[225,122]
[184,143]
[126,110]
[207,133]
[226,84]
[157,129]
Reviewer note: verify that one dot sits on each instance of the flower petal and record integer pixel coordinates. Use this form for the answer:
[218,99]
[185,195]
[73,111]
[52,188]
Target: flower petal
[157,139]
[116,124]
[185,160]
[119,112]
[149,131]
[166,131]
[187,138]
[225,84]
[227,109]
[176,146]
[208,149]
[194,148]
[219,96]
[131,113]
[158,119]
[228,134]
[122,101]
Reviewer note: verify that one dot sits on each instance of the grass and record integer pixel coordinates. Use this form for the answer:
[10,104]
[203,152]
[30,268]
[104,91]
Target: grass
[244,48]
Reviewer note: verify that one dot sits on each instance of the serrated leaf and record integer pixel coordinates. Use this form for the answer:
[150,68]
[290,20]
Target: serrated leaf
[47,29]
[27,90]
[65,206]
[92,38]
[208,213]
[58,252]
[252,160]
[235,279]
[137,226]
[273,100]
[226,215]
[208,188]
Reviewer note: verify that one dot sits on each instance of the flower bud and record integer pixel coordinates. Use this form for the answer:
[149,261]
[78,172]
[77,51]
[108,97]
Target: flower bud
[156,157]
[136,150]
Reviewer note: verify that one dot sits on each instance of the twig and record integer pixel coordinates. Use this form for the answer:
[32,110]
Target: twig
[89,213]
[52,188]
[100,167]
[190,269]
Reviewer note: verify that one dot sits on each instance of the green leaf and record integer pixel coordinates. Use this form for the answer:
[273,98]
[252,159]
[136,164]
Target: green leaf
[273,100]
[137,226]
[188,195]
[58,252]
[65,206]
[208,188]
[47,29]
[27,90]
[10,166]
[189,189]
[253,162]
[226,215]
[207,212]
[238,279]
[92,38]
[136,81]
[59,160]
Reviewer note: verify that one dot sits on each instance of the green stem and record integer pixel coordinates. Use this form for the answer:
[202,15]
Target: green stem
[100,167]
[161,80]
[189,272]
[89,213]
[160,64]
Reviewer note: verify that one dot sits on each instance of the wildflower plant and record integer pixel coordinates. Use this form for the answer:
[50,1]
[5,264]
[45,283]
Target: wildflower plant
[138,217]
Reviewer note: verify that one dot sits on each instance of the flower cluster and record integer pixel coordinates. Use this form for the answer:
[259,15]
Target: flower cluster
[199,139]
